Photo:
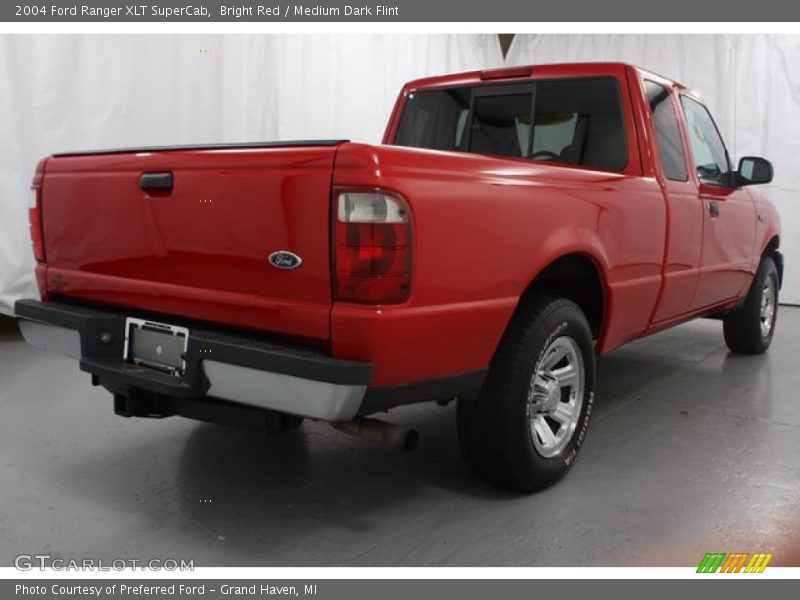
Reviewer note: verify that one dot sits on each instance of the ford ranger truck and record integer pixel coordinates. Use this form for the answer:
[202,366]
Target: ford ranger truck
[513,224]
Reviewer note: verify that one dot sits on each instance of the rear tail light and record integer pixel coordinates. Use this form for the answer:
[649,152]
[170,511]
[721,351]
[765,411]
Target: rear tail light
[373,246]
[35,220]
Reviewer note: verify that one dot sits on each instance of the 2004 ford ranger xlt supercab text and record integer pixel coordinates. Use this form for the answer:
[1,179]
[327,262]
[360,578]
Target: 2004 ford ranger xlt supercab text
[513,224]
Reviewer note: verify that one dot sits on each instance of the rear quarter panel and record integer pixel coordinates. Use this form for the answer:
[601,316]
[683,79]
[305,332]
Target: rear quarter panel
[484,227]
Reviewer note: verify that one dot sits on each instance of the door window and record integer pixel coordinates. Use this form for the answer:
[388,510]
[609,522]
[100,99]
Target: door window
[710,155]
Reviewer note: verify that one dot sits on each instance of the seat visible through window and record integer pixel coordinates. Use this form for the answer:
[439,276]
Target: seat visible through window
[566,121]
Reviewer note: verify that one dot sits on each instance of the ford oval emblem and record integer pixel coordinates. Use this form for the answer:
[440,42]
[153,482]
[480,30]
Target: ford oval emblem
[283,259]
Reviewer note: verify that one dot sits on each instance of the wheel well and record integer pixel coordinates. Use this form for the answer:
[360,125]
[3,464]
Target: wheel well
[577,278]
[772,250]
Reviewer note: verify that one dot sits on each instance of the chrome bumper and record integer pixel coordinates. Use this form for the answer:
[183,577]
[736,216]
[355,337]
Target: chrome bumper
[245,371]
[284,393]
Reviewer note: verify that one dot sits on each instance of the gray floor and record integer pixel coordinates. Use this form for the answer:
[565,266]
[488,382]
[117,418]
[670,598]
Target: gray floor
[691,450]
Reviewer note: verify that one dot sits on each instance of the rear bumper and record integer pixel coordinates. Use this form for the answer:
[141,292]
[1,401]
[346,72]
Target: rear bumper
[247,370]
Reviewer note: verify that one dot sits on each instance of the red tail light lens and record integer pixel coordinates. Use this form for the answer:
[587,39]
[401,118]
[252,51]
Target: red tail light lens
[35,220]
[373,247]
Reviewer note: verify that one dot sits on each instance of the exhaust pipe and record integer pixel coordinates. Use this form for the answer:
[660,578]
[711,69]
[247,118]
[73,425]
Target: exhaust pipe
[388,435]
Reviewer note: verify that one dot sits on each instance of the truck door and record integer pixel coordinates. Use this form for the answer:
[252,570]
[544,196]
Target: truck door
[729,214]
[685,227]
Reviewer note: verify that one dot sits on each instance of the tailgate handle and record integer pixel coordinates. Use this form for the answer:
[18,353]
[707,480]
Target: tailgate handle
[156,181]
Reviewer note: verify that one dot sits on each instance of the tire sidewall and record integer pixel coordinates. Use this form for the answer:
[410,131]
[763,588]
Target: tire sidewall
[766,271]
[567,320]
[770,272]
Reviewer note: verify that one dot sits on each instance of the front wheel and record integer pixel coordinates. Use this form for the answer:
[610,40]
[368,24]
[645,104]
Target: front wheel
[528,423]
[749,328]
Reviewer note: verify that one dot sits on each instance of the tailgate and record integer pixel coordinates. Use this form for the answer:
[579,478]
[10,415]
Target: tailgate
[193,237]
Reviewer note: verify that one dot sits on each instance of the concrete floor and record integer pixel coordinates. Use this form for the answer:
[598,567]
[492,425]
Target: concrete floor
[691,450]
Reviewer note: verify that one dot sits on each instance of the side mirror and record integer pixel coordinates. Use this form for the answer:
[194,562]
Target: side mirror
[754,170]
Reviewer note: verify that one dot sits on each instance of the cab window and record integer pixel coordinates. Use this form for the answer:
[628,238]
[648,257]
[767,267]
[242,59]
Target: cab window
[668,136]
[435,119]
[501,124]
[710,155]
[570,121]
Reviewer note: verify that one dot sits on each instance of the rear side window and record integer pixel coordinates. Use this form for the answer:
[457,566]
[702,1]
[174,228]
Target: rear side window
[572,121]
[668,137]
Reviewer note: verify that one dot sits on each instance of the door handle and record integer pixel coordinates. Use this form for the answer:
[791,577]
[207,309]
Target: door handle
[161,182]
[713,208]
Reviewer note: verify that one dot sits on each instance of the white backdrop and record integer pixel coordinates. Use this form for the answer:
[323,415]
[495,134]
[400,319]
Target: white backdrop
[79,92]
[72,92]
[750,82]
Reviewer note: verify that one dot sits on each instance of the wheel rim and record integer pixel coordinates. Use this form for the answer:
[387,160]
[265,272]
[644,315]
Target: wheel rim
[768,302]
[555,397]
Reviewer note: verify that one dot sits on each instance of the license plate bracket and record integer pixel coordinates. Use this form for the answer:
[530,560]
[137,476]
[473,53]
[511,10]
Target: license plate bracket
[156,345]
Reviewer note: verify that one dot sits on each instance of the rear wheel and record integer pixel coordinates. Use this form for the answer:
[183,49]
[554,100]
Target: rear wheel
[525,428]
[749,328]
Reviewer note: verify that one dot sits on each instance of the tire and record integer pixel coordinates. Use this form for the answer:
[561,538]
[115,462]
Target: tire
[749,328]
[501,432]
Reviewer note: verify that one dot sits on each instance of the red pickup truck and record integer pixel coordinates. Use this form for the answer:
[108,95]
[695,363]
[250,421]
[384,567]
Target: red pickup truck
[513,224]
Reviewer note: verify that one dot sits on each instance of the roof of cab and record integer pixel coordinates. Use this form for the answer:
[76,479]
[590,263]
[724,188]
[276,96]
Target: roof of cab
[522,72]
